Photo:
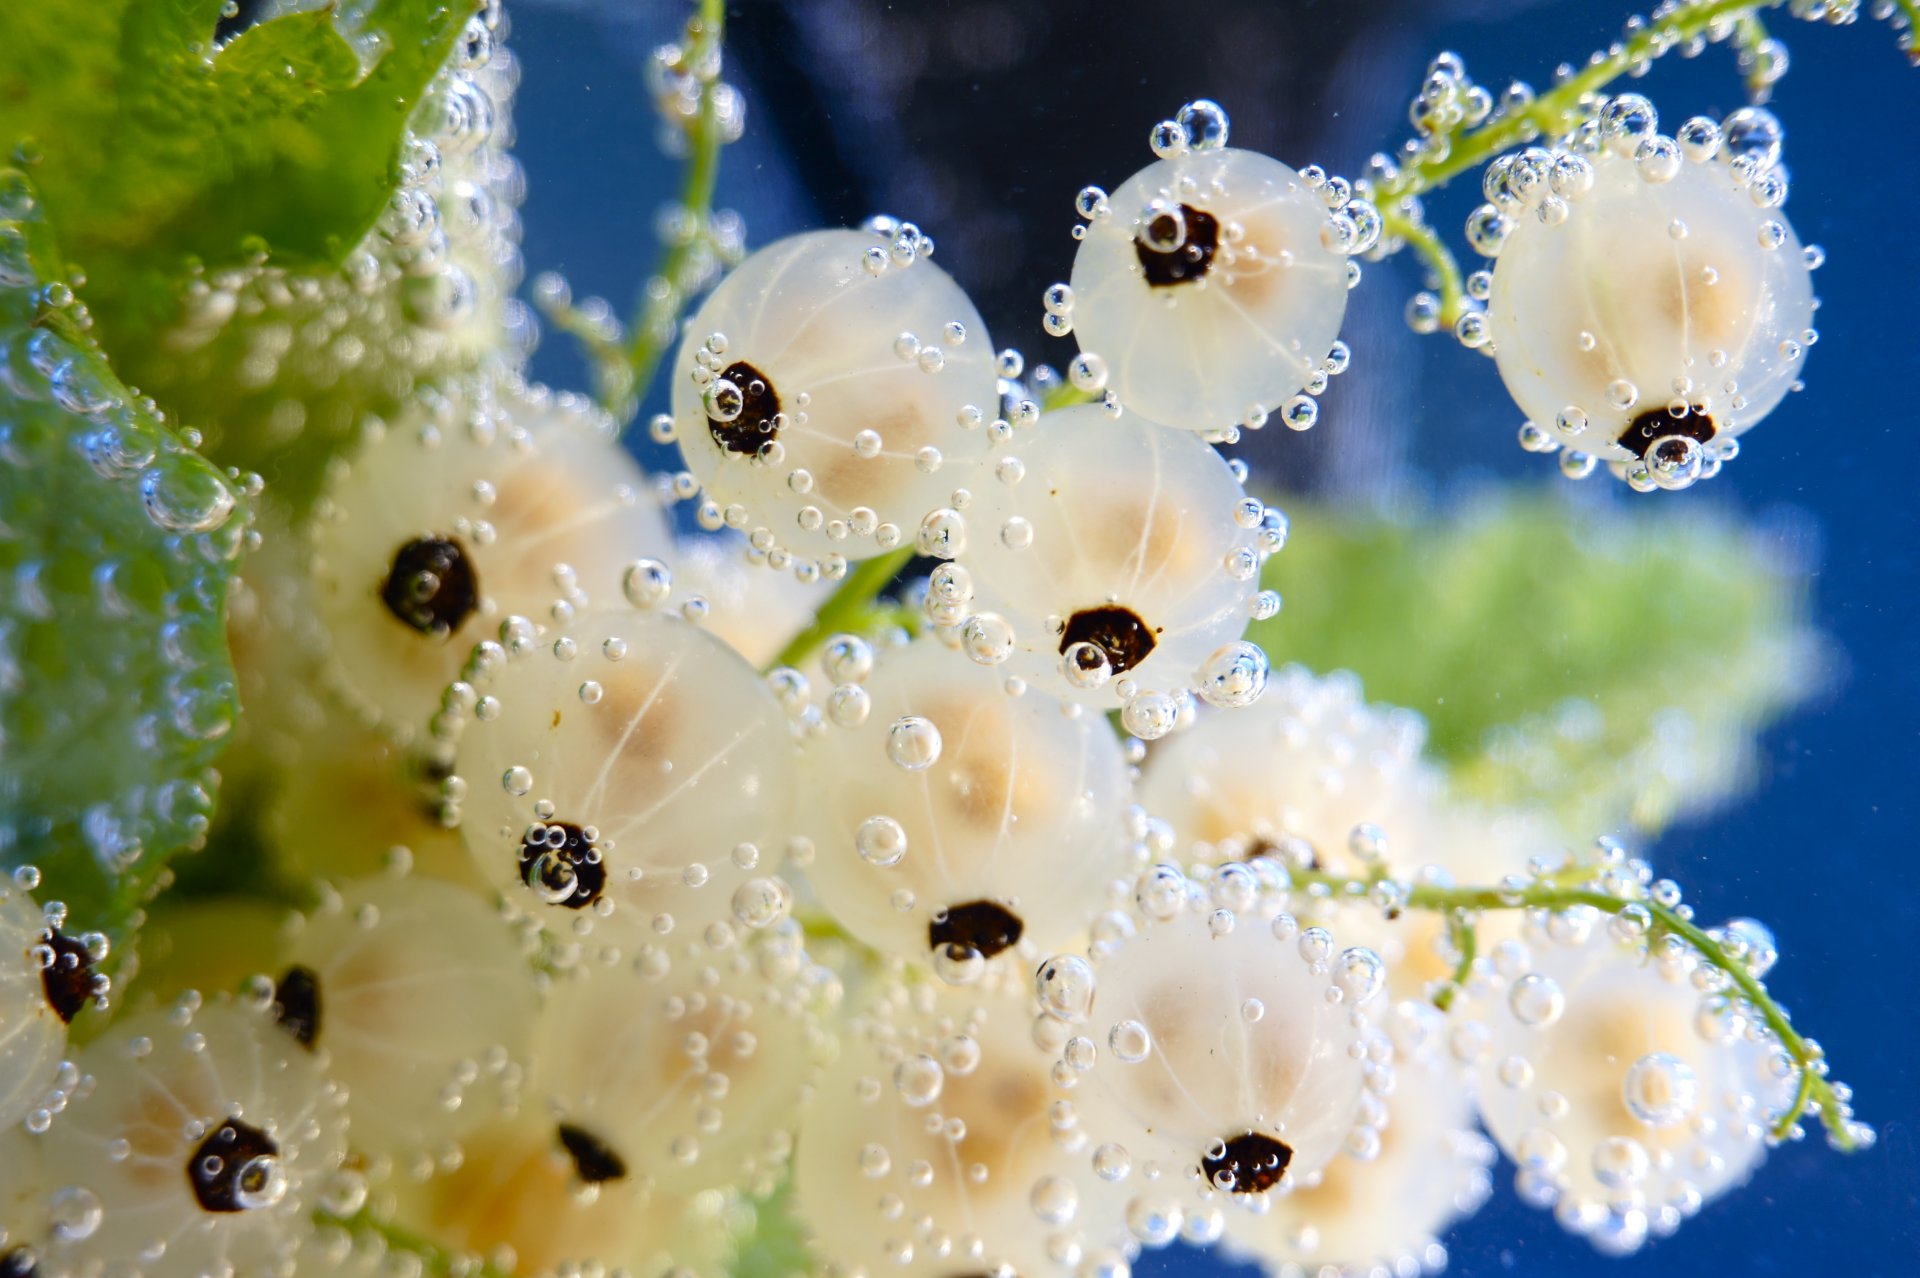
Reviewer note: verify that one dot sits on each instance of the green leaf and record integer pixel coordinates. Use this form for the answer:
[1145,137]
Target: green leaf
[117,545]
[1612,666]
[153,146]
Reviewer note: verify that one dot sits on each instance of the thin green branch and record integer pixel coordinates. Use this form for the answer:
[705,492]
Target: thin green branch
[1749,35]
[1552,893]
[1064,395]
[850,608]
[1426,242]
[434,1258]
[665,297]
[1466,940]
[1556,110]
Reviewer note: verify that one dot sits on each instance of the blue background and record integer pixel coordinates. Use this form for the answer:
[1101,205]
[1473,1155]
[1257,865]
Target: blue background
[1825,850]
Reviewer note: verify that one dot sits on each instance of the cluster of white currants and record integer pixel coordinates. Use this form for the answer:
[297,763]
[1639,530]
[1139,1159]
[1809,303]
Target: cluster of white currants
[996,985]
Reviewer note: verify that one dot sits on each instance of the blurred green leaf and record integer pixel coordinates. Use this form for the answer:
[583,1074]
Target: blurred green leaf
[152,145]
[117,545]
[1614,666]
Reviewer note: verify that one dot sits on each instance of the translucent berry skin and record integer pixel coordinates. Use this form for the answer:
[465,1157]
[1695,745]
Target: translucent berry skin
[1309,762]
[1212,1071]
[1553,1082]
[164,1084]
[1119,514]
[516,500]
[689,1073]
[418,983]
[32,1035]
[651,754]
[821,330]
[967,1160]
[1613,304]
[516,1188]
[1251,328]
[1384,1214]
[1024,807]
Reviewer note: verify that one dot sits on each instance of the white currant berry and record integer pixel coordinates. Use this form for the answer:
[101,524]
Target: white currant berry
[350,803]
[610,777]
[755,611]
[25,1200]
[686,1075]
[519,1193]
[1234,1065]
[1625,1095]
[1297,775]
[809,386]
[1659,317]
[1384,1214]
[500,501]
[197,1149]
[929,1147]
[46,979]
[1208,289]
[1118,562]
[417,997]
[1013,833]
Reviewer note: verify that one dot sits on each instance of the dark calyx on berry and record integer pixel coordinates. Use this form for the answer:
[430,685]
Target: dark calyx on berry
[570,873]
[296,1004]
[1189,259]
[69,979]
[432,586]
[1114,630]
[592,1160]
[986,927]
[759,405]
[1251,1163]
[226,1171]
[1659,423]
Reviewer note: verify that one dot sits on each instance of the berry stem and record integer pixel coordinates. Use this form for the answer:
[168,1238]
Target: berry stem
[1064,395]
[1466,940]
[1402,220]
[1555,111]
[656,324]
[434,1258]
[850,608]
[1553,892]
[1748,35]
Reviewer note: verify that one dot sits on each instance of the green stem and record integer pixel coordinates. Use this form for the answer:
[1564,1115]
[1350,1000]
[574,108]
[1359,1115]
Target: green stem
[1065,395]
[1467,941]
[435,1258]
[656,322]
[1425,241]
[1551,893]
[1748,34]
[849,608]
[1555,111]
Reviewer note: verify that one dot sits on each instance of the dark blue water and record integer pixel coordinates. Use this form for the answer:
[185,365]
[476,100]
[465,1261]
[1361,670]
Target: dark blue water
[1828,847]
